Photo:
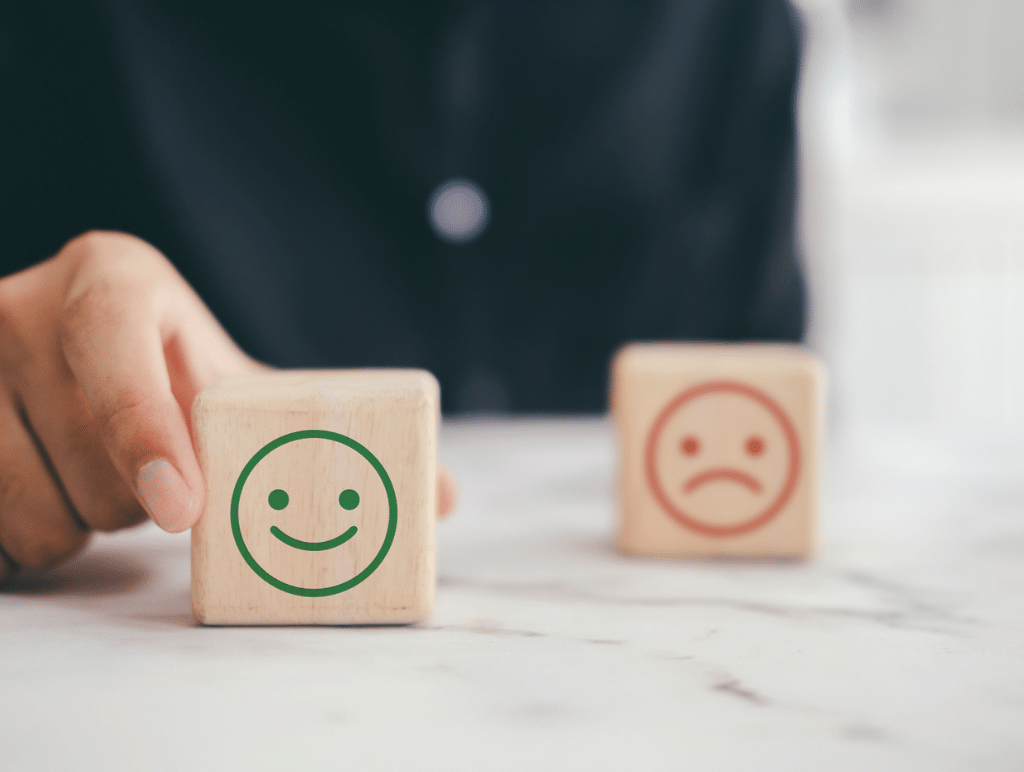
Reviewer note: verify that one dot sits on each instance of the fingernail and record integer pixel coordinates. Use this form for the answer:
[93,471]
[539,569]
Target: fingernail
[165,495]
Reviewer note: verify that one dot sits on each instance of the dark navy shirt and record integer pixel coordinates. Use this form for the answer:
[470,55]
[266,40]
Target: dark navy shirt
[637,157]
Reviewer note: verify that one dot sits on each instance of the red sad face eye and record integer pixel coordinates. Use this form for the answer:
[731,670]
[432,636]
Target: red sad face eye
[755,446]
[690,446]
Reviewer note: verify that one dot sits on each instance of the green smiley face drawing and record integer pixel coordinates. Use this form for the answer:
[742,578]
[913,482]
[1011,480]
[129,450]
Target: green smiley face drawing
[347,492]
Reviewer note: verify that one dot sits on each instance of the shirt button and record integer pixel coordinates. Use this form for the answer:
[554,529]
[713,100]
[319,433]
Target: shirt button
[458,211]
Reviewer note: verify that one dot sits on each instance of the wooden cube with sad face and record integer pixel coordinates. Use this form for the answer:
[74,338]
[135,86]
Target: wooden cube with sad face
[321,498]
[720,447]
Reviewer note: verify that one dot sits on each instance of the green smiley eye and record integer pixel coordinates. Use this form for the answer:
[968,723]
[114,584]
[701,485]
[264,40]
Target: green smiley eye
[348,499]
[278,499]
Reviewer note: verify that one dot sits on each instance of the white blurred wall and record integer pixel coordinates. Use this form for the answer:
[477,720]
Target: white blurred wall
[912,131]
[938,61]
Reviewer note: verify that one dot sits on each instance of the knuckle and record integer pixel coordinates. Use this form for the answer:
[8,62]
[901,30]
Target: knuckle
[97,254]
[114,275]
[84,246]
[86,311]
[47,548]
[44,548]
[34,539]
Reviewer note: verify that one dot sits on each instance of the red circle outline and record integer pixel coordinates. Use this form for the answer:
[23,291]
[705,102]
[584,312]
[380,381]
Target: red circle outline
[773,508]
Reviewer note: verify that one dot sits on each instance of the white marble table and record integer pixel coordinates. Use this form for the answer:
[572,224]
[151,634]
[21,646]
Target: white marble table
[900,647]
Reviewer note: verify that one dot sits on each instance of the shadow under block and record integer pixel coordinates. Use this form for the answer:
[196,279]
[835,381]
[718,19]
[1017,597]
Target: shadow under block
[719,449]
[320,499]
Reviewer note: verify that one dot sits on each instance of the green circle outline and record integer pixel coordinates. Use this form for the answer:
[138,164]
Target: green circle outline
[314,592]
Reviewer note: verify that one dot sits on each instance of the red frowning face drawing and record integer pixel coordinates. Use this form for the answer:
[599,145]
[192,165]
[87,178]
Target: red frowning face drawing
[722,458]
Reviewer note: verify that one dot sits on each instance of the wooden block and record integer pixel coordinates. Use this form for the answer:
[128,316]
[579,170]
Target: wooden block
[321,498]
[720,447]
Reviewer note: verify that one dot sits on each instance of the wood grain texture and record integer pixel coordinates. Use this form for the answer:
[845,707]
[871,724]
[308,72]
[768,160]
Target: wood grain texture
[720,449]
[331,487]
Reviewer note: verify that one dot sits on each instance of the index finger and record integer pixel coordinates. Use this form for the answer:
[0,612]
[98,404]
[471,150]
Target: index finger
[122,312]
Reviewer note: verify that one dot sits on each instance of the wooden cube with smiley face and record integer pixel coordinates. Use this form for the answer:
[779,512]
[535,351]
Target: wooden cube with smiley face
[320,498]
[720,447]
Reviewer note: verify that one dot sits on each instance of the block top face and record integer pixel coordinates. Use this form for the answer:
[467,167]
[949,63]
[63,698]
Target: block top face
[666,363]
[667,357]
[316,389]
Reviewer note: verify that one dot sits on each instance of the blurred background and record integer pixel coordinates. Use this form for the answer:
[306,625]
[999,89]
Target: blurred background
[912,142]
[911,124]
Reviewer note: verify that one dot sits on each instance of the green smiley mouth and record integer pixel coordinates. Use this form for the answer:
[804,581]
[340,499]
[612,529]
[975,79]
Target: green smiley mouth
[313,546]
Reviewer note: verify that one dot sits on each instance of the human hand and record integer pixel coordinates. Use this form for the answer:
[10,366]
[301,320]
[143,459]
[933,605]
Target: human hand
[102,350]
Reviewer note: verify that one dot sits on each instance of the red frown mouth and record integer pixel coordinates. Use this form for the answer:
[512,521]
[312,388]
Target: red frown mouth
[732,475]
